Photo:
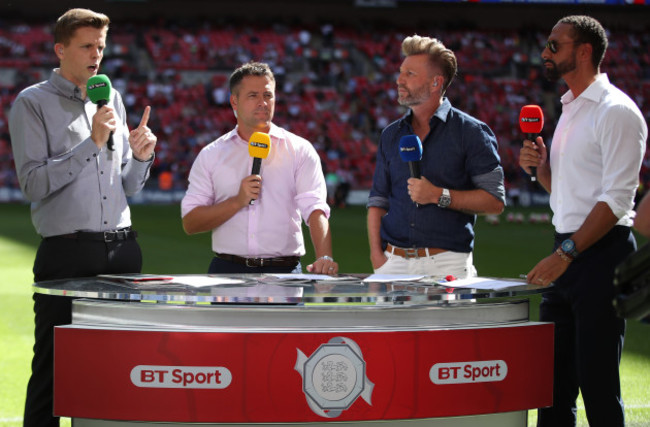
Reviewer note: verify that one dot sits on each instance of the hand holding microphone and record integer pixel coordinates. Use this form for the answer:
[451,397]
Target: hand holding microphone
[98,89]
[259,146]
[410,150]
[531,122]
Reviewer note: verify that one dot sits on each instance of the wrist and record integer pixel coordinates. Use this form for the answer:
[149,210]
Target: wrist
[563,255]
[445,198]
[326,258]
[568,246]
[144,161]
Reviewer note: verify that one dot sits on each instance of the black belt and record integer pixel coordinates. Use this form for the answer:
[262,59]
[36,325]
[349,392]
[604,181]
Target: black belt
[101,236]
[284,261]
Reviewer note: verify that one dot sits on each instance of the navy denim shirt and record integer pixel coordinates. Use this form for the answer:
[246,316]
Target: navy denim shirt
[457,152]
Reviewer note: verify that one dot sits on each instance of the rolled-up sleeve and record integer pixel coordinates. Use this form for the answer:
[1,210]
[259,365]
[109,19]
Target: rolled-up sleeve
[622,155]
[381,180]
[492,182]
[311,192]
[199,191]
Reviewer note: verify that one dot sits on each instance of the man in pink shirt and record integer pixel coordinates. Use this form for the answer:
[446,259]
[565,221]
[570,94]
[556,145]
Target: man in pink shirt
[265,236]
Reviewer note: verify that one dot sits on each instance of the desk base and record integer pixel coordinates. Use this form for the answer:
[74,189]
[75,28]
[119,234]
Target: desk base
[508,419]
[454,365]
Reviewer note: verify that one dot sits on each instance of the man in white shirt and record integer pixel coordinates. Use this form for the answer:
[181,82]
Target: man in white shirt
[592,176]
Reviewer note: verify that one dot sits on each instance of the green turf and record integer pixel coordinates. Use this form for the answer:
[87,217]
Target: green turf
[504,250]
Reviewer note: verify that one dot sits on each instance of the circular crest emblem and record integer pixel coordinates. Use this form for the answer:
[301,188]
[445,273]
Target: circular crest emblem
[334,376]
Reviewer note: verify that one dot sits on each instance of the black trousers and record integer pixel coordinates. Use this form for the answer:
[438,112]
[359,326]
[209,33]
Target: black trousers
[60,258]
[588,335]
[221,266]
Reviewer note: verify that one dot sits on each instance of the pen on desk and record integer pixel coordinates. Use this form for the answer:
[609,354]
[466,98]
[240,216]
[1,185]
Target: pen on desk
[523,276]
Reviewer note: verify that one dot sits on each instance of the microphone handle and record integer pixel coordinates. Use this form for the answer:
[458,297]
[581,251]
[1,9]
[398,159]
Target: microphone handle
[257,165]
[533,170]
[109,144]
[414,168]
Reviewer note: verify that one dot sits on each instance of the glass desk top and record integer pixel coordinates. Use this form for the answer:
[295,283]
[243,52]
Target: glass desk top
[284,288]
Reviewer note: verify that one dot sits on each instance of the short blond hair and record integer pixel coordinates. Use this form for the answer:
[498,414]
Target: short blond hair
[439,55]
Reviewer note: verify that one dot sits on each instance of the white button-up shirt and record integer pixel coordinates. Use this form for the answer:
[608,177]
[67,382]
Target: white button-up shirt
[596,155]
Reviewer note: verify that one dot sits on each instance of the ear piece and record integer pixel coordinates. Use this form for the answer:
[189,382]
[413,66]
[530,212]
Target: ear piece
[435,84]
[60,51]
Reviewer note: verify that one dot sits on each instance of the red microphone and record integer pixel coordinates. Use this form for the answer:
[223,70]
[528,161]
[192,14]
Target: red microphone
[531,122]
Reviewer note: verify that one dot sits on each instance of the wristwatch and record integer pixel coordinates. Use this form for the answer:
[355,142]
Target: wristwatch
[445,199]
[569,248]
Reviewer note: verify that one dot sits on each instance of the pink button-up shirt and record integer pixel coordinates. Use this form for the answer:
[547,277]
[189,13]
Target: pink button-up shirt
[293,187]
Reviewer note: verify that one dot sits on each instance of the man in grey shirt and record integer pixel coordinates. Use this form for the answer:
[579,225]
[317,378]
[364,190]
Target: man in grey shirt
[77,185]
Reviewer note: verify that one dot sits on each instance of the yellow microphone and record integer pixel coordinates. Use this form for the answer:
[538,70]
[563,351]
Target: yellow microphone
[259,146]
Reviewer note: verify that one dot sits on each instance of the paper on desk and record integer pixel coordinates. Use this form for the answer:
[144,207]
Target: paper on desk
[300,276]
[137,278]
[393,278]
[482,283]
[198,281]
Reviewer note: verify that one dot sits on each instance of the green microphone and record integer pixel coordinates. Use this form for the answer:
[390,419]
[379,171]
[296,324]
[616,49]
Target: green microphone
[98,89]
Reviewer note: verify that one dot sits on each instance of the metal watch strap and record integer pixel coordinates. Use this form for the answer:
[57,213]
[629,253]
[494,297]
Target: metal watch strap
[445,198]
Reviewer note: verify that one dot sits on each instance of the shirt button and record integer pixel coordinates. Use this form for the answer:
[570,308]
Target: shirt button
[104,197]
[105,222]
[101,173]
[412,225]
[94,155]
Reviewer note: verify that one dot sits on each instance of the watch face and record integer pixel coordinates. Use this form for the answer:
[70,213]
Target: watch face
[444,201]
[568,246]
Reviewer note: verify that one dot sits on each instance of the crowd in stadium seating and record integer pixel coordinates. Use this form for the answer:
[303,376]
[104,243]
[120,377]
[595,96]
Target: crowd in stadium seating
[335,85]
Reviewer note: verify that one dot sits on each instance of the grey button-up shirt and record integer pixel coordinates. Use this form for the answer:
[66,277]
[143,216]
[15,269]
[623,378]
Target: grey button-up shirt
[71,183]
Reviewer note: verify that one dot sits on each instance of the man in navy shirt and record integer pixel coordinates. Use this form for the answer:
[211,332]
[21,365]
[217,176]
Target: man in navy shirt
[426,225]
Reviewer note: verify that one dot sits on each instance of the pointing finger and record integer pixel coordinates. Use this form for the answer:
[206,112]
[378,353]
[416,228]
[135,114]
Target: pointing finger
[145,117]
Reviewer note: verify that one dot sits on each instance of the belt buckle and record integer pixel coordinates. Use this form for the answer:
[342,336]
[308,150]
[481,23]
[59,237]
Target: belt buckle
[254,262]
[411,253]
[109,236]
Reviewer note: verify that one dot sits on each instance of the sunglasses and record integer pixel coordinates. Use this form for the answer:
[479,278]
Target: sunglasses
[553,45]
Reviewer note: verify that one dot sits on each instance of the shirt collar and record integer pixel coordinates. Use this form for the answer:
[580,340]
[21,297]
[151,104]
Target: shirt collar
[442,113]
[593,92]
[65,86]
[275,132]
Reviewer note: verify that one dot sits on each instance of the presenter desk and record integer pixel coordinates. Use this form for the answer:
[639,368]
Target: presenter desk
[294,350]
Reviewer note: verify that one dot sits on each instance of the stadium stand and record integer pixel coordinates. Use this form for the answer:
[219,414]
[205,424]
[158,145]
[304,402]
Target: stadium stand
[335,84]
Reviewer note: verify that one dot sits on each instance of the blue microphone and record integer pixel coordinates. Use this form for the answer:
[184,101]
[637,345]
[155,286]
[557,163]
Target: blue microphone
[410,150]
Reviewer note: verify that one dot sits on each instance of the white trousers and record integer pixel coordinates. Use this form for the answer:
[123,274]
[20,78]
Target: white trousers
[458,264]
